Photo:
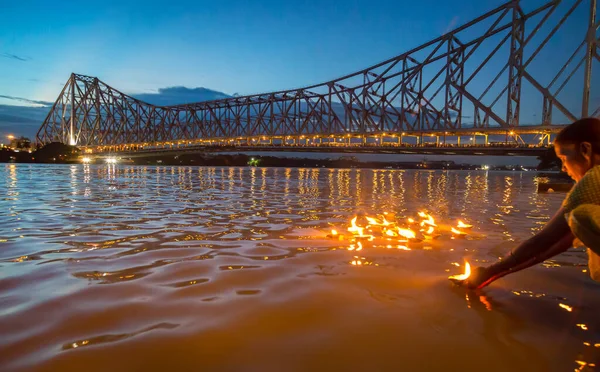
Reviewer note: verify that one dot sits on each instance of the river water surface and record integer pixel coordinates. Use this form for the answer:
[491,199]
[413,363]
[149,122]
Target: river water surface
[127,268]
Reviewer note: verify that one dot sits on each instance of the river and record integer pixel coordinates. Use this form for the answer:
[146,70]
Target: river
[135,268]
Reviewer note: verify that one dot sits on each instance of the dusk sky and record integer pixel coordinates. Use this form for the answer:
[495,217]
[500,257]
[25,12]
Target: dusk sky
[230,46]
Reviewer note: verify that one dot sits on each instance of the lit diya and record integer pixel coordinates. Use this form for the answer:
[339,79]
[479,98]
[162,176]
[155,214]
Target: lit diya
[462,225]
[393,231]
[335,235]
[462,277]
[457,233]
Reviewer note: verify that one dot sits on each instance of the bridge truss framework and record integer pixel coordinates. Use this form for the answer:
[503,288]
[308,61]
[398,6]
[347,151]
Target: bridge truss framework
[502,73]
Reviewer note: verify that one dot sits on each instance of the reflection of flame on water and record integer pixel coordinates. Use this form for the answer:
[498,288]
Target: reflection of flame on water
[582,364]
[566,307]
[373,221]
[463,276]
[486,303]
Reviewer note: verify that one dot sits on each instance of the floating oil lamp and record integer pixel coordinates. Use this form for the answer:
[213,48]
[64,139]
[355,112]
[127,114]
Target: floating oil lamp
[462,225]
[335,235]
[457,233]
[407,233]
[394,232]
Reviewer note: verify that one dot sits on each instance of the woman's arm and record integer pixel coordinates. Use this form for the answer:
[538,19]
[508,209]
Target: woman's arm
[553,239]
[483,276]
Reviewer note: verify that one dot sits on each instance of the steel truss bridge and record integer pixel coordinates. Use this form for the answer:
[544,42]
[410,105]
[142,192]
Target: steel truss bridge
[509,72]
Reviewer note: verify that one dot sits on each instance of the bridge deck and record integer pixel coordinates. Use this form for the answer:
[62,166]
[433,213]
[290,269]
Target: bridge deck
[448,150]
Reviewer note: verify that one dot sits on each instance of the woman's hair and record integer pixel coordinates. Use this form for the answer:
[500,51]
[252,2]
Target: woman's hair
[583,130]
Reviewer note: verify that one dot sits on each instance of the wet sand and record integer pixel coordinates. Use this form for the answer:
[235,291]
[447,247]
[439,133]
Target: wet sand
[228,269]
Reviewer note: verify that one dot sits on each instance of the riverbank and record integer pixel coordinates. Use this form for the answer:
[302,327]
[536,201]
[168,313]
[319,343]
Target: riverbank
[239,160]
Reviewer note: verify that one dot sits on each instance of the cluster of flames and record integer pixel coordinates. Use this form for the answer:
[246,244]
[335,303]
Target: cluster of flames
[398,234]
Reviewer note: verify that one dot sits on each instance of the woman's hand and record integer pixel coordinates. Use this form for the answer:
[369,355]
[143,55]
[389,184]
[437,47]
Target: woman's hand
[479,278]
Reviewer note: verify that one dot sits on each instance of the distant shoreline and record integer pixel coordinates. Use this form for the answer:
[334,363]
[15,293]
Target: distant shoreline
[242,160]
[57,153]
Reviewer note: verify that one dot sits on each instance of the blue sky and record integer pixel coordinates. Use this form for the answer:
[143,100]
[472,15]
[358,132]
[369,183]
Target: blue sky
[231,46]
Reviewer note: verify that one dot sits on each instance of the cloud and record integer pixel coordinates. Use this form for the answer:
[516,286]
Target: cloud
[14,56]
[451,25]
[180,95]
[22,120]
[28,101]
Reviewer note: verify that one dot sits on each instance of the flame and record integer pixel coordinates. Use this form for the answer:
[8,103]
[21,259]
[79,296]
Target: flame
[354,229]
[465,275]
[457,232]
[430,221]
[382,229]
[407,233]
[403,247]
[566,307]
[427,219]
[462,225]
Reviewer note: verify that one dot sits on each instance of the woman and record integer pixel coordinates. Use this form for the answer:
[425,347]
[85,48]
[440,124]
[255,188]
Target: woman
[578,148]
